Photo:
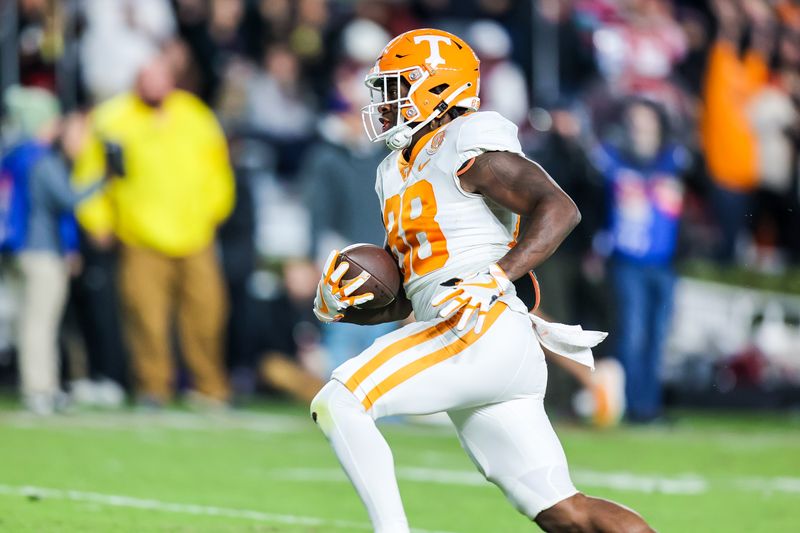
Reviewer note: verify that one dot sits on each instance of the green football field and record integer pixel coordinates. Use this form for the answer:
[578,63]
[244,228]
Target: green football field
[270,470]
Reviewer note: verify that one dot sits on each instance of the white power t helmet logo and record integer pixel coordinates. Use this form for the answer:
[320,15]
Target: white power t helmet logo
[435,59]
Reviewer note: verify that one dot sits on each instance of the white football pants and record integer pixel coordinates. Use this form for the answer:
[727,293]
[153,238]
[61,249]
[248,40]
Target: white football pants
[491,385]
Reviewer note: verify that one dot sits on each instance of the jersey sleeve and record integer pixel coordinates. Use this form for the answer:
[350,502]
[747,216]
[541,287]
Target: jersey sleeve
[486,132]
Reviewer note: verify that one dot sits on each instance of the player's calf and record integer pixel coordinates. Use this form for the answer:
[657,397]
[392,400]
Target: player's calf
[363,453]
[584,514]
[566,516]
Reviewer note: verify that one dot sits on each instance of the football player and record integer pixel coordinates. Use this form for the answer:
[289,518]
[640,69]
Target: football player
[453,193]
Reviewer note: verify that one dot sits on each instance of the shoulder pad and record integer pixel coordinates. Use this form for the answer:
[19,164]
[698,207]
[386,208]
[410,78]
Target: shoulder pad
[487,131]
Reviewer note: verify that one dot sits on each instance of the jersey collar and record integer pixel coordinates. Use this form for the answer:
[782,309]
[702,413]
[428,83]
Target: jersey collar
[405,166]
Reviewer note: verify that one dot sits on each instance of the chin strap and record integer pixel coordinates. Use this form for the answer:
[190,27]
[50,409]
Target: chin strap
[401,137]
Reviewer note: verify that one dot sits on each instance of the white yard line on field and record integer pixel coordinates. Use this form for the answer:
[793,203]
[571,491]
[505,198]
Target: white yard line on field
[626,481]
[686,484]
[116,500]
[273,423]
[770,484]
[127,421]
[613,480]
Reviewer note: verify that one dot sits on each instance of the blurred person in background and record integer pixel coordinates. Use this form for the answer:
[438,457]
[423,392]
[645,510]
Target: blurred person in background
[94,310]
[120,35]
[728,136]
[503,85]
[280,106]
[571,284]
[775,117]
[394,17]
[335,171]
[564,275]
[213,32]
[39,231]
[515,17]
[697,26]
[573,44]
[642,170]
[638,49]
[288,350]
[176,188]
[40,41]
[788,79]
[267,21]
[237,243]
[435,12]
[308,40]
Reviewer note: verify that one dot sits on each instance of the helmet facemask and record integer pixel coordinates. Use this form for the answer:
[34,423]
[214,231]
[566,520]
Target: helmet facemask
[405,110]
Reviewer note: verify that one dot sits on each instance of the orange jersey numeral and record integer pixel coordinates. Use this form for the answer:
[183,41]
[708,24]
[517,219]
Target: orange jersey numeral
[391,221]
[413,232]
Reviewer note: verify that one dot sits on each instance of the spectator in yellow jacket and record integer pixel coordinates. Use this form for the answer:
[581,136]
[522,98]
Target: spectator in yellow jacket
[174,187]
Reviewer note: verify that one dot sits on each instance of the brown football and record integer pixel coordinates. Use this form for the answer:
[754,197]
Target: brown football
[384,280]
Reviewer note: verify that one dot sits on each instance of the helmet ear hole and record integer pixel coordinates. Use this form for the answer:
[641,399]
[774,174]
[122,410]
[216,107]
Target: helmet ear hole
[439,89]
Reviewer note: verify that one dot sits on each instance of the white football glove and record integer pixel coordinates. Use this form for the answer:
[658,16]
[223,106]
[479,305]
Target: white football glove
[475,293]
[331,298]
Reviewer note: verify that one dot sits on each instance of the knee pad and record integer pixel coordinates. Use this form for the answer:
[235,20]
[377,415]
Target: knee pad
[333,399]
[537,490]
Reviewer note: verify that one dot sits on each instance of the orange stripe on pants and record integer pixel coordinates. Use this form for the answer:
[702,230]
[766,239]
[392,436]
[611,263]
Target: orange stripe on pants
[423,363]
[395,348]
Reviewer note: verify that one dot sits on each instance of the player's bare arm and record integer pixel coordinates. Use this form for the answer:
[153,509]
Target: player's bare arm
[522,186]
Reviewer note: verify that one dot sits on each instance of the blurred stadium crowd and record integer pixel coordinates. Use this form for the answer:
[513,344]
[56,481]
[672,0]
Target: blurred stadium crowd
[675,126]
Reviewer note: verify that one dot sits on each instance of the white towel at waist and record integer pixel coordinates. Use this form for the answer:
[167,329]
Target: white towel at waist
[572,342]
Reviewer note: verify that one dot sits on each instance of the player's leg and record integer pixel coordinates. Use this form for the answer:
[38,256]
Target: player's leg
[422,368]
[363,453]
[582,513]
[350,428]
[514,446]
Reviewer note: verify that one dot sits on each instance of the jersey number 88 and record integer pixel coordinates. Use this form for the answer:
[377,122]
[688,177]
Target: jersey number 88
[412,230]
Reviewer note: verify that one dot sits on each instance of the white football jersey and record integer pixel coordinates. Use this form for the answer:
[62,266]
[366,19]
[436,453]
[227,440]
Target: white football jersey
[436,230]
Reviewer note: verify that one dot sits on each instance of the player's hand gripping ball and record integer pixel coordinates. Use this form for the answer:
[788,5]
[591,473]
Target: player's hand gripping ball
[474,294]
[363,276]
[333,298]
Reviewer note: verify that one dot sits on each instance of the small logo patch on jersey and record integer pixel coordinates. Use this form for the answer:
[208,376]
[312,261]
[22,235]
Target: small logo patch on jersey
[436,142]
[423,165]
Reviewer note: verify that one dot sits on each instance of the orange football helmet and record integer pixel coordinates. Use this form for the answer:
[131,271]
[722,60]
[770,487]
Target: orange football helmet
[441,72]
